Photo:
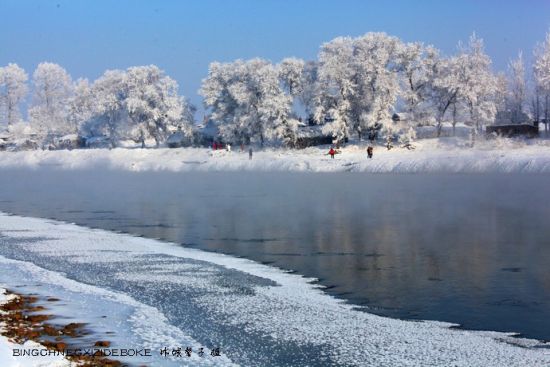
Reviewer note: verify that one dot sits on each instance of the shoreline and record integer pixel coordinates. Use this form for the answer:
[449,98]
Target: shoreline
[444,155]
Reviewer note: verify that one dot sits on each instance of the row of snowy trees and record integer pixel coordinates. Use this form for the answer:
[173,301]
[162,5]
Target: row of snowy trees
[138,103]
[357,84]
[352,89]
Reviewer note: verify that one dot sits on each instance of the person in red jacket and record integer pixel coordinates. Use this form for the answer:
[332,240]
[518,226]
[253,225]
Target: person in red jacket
[332,152]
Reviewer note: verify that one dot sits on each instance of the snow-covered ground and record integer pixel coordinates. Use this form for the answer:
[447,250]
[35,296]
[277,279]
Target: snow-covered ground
[240,302]
[7,360]
[431,155]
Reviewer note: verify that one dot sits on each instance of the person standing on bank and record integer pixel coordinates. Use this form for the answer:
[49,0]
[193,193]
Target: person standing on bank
[250,153]
[369,151]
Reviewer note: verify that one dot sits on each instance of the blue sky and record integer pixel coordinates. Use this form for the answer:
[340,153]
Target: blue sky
[183,37]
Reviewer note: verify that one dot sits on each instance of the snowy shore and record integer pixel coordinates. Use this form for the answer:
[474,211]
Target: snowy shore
[254,300]
[430,155]
[8,360]
[42,359]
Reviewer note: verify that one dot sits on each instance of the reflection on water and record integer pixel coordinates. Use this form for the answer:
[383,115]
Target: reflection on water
[471,249]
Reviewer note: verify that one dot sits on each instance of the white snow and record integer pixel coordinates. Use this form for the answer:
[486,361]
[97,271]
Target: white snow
[431,155]
[293,311]
[8,360]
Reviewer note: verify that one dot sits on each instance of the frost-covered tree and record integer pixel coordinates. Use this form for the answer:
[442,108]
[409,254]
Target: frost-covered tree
[13,89]
[153,105]
[502,92]
[109,93]
[247,102]
[81,105]
[139,103]
[52,88]
[535,99]
[291,74]
[445,88]
[299,79]
[337,85]
[307,96]
[465,79]
[417,64]
[541,74]
[358,84]
[516,87]
[478,83]
[377,75]
[268,105]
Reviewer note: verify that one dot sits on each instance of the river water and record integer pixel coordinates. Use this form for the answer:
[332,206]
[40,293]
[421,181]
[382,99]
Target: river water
[472,249]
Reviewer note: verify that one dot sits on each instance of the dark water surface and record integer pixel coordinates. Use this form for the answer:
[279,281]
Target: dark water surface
[473,249]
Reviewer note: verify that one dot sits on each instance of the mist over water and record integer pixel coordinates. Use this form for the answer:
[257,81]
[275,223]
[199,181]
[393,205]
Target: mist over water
[467,248]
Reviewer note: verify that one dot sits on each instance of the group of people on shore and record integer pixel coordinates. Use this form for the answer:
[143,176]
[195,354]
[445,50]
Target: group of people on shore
[227,147]
[220,146]
[332,152]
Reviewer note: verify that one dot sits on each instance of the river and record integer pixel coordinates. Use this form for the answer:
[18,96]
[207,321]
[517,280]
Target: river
[471,249]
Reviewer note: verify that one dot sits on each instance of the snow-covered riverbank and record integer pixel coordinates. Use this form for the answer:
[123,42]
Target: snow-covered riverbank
[42,357]
[430,155]
[240,303]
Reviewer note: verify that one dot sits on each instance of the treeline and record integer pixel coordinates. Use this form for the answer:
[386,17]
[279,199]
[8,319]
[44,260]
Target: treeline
[138,103]
[352,89]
